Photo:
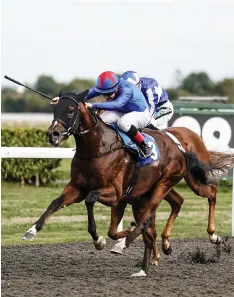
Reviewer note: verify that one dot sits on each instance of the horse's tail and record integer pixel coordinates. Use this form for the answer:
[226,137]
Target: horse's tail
[218,166]
[196,168]
[220,163]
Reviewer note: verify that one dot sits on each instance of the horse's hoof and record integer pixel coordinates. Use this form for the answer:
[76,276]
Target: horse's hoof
[214,238]
[155,262]
[30,234]
[167,251]
[139,274]
[100,243]
[118,247]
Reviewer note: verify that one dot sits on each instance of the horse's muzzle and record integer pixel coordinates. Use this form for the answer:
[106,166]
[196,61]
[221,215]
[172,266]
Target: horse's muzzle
[53,137]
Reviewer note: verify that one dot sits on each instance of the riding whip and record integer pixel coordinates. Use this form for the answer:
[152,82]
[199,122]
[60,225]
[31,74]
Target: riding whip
[19,83]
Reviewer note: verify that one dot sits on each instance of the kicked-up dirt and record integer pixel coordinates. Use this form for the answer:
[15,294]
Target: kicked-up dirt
[194,268]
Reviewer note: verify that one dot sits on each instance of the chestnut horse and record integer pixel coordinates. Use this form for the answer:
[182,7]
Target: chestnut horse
[222,162]
[103,170]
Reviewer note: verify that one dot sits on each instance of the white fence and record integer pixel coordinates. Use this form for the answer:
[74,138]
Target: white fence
[63,153]
[37,152]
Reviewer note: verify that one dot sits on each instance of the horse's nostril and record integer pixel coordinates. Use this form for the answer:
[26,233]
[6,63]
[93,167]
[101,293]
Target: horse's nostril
[55,134]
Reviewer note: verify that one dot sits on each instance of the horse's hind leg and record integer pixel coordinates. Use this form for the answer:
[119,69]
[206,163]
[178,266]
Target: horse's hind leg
[175,201]
[208,191]
[69,196]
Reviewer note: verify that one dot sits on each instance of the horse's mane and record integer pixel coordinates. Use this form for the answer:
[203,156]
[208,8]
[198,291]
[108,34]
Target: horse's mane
[94,112]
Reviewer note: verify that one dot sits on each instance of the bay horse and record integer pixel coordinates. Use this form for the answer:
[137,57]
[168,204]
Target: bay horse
[103,170]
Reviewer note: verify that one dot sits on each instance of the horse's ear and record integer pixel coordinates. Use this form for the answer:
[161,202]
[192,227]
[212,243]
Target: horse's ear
[82,97]
[79,97]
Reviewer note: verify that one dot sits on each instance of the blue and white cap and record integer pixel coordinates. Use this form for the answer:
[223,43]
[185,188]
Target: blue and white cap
[131,76]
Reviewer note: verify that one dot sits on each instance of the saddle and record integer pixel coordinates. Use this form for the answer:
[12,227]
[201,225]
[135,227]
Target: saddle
[132,146]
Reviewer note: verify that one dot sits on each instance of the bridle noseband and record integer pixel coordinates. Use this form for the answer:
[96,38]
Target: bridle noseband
[70,130]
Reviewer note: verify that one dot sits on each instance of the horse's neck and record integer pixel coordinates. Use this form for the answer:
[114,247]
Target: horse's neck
[98,140]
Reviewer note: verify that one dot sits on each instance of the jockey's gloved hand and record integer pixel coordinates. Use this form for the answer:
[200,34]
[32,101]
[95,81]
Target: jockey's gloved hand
[54,100]
[88,104]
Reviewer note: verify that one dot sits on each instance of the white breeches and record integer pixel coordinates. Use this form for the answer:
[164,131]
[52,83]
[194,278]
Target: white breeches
[125,120]
[163,114]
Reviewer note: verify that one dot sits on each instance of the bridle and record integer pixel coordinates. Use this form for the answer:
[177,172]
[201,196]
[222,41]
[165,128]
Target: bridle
[72,130]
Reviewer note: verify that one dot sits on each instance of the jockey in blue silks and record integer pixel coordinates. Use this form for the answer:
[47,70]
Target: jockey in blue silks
[125,105]
[161,109]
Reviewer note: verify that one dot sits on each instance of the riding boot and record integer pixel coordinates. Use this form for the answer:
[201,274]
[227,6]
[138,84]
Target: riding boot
[146,149]
[137,137]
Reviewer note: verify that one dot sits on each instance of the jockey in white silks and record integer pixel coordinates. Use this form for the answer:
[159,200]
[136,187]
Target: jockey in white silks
[125,105]
[161,109]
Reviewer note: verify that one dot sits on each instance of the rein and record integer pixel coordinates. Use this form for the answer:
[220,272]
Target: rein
[80,133]
[69,130]
[101,154]
[76,121]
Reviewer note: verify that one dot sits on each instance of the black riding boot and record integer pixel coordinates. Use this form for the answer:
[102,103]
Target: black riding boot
[138,138]
[146,149]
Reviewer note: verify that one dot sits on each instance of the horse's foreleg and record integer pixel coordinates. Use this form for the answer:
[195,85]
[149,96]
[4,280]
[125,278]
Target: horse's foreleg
[98,241]
[69,196]
[106,196]
[149,237]
[175,201]
[208,191]
[116,217]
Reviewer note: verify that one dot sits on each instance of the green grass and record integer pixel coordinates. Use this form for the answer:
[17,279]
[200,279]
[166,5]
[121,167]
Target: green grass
[22,205]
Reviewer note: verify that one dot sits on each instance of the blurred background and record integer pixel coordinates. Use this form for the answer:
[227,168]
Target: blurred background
[187,46]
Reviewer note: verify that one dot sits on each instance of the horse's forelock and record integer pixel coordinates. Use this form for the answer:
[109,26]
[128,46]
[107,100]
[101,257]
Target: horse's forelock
[82,97]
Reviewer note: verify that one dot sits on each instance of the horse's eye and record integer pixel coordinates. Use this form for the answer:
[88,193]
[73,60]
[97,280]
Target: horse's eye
[70,113]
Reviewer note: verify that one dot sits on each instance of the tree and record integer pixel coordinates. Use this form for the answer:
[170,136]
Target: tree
[47,85]
[11,101]
[199,84]
[226,88]
[79,85]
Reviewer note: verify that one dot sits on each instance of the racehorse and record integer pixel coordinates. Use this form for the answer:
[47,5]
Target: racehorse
[191,142]
[103,170]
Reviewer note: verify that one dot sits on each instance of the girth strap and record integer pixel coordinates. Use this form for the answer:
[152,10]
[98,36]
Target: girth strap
[133,181]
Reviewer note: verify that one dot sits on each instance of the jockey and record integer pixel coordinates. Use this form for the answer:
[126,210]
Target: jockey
[161,109]
[125,106]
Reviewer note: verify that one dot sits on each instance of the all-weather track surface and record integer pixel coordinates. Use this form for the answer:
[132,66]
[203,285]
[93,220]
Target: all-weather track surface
[195,268]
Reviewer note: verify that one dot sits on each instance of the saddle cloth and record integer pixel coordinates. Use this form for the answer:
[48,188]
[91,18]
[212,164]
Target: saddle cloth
[129,144]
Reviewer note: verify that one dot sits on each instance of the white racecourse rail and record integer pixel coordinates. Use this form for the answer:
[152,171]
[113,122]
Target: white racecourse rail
[41,152]
[64,153]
